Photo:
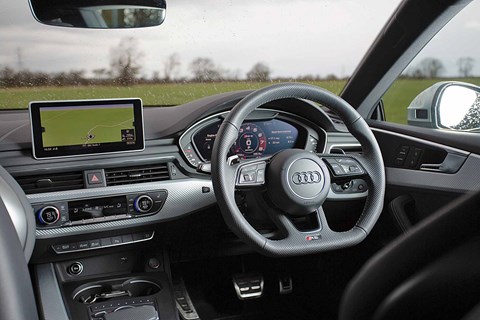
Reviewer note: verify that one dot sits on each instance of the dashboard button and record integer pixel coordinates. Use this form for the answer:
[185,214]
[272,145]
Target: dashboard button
[147,234]
[83,245]
[57,248]
[127,238]
[75,268]
[106,242]
[137,237]
[94,244]
[116,240]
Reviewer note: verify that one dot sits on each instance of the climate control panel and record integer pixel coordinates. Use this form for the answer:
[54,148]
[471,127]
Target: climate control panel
[95,210]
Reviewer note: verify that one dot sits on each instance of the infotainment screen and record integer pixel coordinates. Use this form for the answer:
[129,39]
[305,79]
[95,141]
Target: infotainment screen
[72,128]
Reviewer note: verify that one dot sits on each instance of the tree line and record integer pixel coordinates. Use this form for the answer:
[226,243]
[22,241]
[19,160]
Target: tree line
[125,68]
[433,68]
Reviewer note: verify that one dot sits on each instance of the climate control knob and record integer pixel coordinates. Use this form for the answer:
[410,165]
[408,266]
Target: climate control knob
[48,215]
[143,204]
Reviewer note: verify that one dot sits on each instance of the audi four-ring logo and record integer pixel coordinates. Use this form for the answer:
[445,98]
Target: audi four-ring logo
[306,177]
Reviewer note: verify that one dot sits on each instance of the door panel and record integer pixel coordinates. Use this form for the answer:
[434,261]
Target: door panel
[430,167]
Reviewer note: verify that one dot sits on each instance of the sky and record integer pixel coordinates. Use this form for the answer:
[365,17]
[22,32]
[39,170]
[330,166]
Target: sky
[294,38]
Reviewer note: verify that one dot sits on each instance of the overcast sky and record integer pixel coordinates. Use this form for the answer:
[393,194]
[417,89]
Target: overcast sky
[292,37]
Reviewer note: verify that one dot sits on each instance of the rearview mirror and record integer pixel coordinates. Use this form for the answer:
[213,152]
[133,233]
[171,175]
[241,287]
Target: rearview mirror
[100,14]
[447,105]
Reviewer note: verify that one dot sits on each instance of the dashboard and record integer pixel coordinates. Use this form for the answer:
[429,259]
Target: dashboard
[263,133]
[78,200]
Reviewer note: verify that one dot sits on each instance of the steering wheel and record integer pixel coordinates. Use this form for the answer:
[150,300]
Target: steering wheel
[17,239]
[297,181]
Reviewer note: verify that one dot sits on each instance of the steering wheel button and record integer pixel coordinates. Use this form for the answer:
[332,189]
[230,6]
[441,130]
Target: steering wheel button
[261,175]
[252,167]
[337,169]
[353,169]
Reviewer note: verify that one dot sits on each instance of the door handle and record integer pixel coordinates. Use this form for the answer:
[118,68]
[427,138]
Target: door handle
[451,164]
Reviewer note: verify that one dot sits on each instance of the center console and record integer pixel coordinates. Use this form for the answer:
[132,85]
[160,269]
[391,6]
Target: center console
[124,285]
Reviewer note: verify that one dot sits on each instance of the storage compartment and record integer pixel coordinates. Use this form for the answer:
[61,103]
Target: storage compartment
[115,289]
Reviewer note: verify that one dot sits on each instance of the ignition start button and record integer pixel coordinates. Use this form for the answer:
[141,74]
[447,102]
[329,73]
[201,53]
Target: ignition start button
[75,268]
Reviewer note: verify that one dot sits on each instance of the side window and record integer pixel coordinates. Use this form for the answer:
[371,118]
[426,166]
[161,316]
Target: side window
[441,86]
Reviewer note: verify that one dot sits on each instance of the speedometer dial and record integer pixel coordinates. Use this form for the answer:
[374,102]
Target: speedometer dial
[251,142]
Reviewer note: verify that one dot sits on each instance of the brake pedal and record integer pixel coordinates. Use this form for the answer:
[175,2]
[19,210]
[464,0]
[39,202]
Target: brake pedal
[248,286]
[285,284]
[184,303]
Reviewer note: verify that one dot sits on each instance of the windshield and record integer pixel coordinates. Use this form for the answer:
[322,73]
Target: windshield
[202,48]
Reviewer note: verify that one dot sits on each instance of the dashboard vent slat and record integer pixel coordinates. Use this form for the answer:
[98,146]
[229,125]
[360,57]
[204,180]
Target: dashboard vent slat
[347,149]
[51,182]
[137,174]
[333,116]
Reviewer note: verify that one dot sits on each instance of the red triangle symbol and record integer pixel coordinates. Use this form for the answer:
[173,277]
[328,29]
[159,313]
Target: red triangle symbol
[95,179]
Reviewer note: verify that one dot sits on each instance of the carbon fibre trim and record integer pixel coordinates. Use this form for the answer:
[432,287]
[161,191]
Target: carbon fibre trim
[184,196]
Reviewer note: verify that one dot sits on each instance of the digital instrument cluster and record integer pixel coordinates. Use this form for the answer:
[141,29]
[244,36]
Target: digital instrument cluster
[255,138]
[264,133]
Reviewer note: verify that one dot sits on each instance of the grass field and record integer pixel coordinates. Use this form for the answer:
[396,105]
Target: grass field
[85,126]
[399,96]
[396,99]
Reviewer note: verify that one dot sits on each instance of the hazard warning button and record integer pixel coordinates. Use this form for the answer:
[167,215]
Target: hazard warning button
[94,178]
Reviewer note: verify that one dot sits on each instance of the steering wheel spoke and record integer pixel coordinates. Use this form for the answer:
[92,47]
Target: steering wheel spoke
[307,242]
[288,229]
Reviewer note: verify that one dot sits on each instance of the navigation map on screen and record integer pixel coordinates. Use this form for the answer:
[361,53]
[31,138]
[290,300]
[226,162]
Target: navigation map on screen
[86,125]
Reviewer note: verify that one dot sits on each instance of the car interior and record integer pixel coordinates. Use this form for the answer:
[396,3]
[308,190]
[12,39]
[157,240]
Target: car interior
[281,202]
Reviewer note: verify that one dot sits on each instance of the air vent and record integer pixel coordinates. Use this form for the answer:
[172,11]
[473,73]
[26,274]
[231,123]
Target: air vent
[51,182]
[137,174]
[346,149]
[333,116]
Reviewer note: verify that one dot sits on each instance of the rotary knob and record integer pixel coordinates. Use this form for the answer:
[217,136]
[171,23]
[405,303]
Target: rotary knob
[143,204]
[48,215]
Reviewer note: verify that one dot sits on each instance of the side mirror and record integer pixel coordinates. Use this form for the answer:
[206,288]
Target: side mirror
[99,14]
[447,105]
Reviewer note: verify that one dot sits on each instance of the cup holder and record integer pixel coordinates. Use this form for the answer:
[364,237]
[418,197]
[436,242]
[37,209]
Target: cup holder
[109,290]
[141,287]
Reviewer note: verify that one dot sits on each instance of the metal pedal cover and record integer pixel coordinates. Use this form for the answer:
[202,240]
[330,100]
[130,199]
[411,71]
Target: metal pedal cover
[248,286]
[285,284]
[184,303]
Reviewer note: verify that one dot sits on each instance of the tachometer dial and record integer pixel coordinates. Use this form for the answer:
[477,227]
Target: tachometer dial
[251,141]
